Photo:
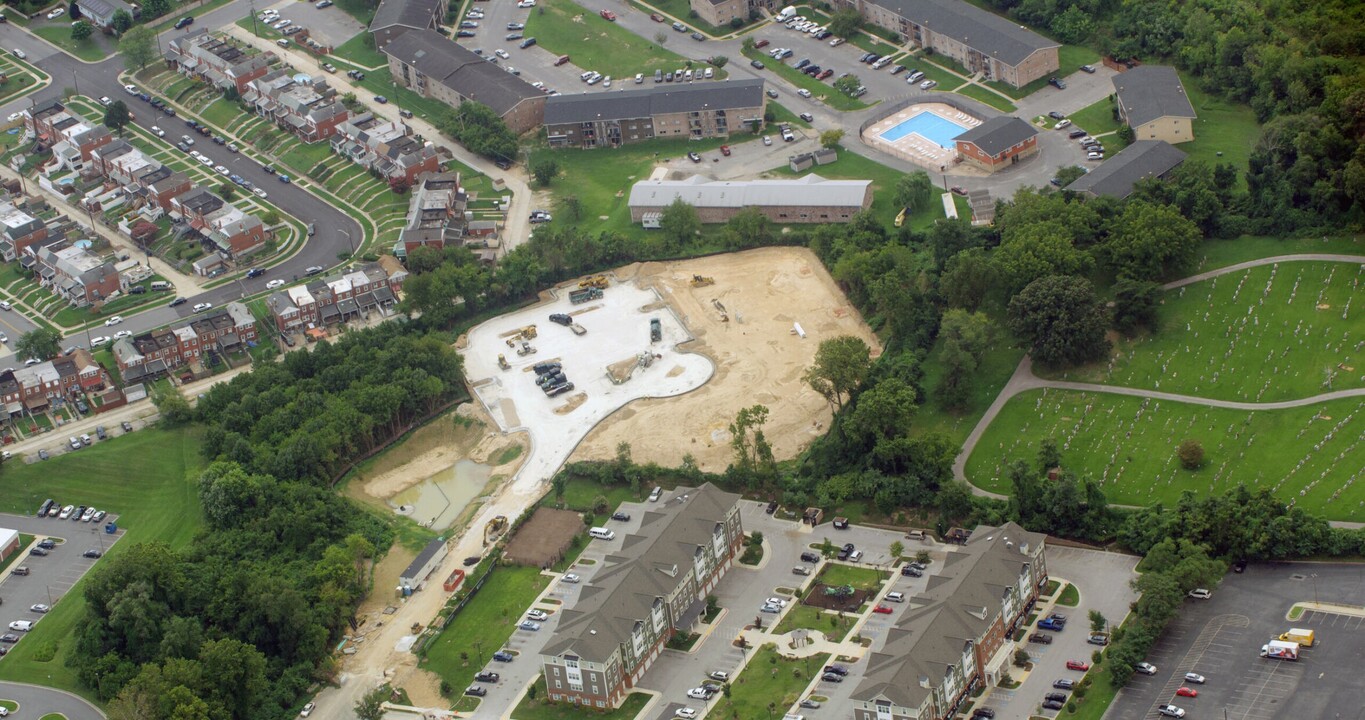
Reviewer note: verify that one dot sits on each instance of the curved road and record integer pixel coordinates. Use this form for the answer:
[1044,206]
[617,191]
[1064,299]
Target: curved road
[36,701]
[1023,378]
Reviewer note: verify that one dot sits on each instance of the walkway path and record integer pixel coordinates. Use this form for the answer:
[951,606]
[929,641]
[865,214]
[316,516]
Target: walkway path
[1023,378]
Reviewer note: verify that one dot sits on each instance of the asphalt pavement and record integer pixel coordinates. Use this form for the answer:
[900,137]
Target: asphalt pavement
[35,701]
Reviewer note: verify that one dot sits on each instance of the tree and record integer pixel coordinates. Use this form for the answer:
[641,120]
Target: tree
[848,84]
[841,365]
[1037,251]
[753,453]
[748,228]
[116,116]
[1191,454]
[661,37]
[831,138]
[913,190]
[1061,320]
[138,46]
[152,9]
[173,406]
[1073,25]
[573,207]
[747,46]
[1135,305]
[40,344]
[1069,174]
[121,21]
[1049,456]
[964,338]
[1097,621]
[1022,658]
[1149,241]
[897,549]
[883,411]
[545,169]
[719,61]
[679,225]
[845,23]
[967,279]
[399,184]
[227,190]
[81,30]
[371,705]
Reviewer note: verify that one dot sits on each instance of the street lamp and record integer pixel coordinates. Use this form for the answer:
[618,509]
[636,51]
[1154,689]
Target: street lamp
[478,648]
[349,241]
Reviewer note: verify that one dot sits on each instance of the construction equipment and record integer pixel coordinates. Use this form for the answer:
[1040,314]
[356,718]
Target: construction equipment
[529,332]
[702,281]
[502,362]
[494,529]
[594,281]
[578,297]
[724,316]
[656,331]
[526,349]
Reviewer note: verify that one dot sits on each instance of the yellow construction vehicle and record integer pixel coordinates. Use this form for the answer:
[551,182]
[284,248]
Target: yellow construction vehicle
[529,332]
[494,529]
[502,362]
[900,219]
[595,281]
[702,281]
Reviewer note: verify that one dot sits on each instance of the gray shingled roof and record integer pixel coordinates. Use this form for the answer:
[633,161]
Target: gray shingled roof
[410,13]
[988,33]
[1116,176]
[459,69]
[998,134]
[628,104]
[1151,92]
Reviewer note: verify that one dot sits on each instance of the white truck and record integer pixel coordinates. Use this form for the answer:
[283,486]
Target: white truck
[1280,650]
[786,14]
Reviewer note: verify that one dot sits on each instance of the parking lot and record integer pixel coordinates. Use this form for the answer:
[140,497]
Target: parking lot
[52,576]
[329,26]
[1220,638]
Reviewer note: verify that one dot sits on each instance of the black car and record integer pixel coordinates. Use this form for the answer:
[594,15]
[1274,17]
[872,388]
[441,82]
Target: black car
[836,669]
[1088,68]
[184,22]
[40,552]
[47,544]
[472,560]
[502,656]
[1059,697]
[1074,134]
[465,34]
[802,63]
[832,677]
[1064,684]
[983,713]
[1052,705]
[476,691]
[1057,83]
[623,517]
[9,638]
[487,677]
[810,557]
[1056,115]
[503,164]
[219,140]
[756,64]
[772,507]
[255,272]
[558,389]
[42,455]
[168,110]
[698,36]
[91,553]
[864,57]
[177,301]
[1240,566]
[1040,638]
[528,42]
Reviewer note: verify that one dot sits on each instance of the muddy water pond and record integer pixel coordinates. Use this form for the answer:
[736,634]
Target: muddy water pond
[437,501]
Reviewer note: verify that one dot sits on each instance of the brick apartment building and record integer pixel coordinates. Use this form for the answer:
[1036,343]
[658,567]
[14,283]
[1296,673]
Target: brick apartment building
[808,199]
[997,143]
[388,148]
[310,110]
[71,137]
[215,60]
[701,110]
[76,276]
[720,12]
[433,66]
[32,388]
[652,588]
[395,17]
[152,354]
[956,635]
[221,227]
[982,42]
[142,176]
[18,230]
[436,214]
[334,299]
[1153,102]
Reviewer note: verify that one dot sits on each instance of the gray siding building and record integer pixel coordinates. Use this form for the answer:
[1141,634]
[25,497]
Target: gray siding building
[699,110]
[433,66]
[1117,176]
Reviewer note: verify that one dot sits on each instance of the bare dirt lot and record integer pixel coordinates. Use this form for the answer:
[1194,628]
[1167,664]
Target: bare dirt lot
[759,360]
[542,541]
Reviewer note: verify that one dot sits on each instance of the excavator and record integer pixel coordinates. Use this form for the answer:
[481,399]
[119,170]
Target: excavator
[702,281]
[494,529]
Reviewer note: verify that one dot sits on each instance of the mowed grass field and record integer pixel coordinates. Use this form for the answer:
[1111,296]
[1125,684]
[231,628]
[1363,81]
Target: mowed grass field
[1269,333]
[851,166]
[1313,456]
[768,686]
[564,27]
[147,478]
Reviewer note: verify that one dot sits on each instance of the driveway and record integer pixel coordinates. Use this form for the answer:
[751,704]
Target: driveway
[35,701]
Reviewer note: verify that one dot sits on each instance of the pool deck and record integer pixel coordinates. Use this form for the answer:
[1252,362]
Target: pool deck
[914,147]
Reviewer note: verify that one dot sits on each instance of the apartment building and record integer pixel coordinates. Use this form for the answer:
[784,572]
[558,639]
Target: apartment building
[808,199]
[979,40]
[31,388]
[721,13]
[386,147]
[700,110]
[997,143]
[71,137]
[18,230]
[75,275]
[334,299]
[310,110]
[141,175]
[218,61]
[221,226]
[644,593]
[151,354]
[1118,176]
[956,636]
[1153,102]
[395,17]
[436,214]
[433,66]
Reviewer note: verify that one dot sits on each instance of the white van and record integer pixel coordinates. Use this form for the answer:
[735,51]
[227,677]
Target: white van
[160,285]
[786,14]
[21,625]
[895,597]
[656,494]
[602,533]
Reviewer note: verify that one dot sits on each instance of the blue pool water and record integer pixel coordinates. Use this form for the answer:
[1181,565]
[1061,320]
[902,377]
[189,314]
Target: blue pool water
[928,126]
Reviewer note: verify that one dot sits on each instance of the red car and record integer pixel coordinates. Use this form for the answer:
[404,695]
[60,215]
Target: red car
[883,609]
[1187,692]
[825,74]
[1077,665]
[608,15]
[761,44]
[725,150]
[656,17]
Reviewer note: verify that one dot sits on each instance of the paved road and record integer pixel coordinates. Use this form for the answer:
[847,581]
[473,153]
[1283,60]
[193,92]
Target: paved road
[1301,257]
[35,702]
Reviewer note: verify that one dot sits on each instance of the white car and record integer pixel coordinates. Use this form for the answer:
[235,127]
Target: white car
[104,100]
[537,615]
[767,139]
[572,578]
[1195,678]
[259,193]
[99,340]
[501,53]
[4,338]
[123,334]
[201,307]
[1063,123]
[1171,711]
[528,625]
[13,116]
[307,710]
[803,93]
[1145,668]
[113,321]
[526,4]
[205,160]
[18,53]
[222,170]
[720,675]
[1201,593]
[56,13]
[158,131]
[276,283]
[39,608]
[770,608]
[130,89]
[685,712]
[777,601]
[699,694]
[927,85]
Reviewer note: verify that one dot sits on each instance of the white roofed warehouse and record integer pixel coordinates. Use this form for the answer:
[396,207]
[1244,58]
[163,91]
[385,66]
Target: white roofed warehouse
[809,199]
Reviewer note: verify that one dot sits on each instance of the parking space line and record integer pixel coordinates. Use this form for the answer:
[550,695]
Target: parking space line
[1195,654]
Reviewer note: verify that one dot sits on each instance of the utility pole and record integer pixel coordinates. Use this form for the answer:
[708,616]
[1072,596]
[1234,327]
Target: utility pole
[76,81]
[349,241]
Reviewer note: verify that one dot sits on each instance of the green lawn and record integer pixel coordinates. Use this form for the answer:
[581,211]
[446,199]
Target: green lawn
[997,365]
[821,90]
[1097,119]
[1072,57]
[1070,597]
[1222,253]
[871,43]
[833,625]
[147,478]
[1224,132]
[1128,445]
[1258,335]
[579,494]
[484,625]
[563,27]
[542,709]
[682,10]
[60,35]
[850,166]
[9,705]
[360,50]
[977,92]
[769,685]
[781,114]
[861,578]
[222,113]
[1099,695]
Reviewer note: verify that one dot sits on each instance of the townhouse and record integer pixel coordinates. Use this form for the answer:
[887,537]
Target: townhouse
[72,138]
[652,588]
[151,354]
[436,214]
[334,299]
[981,41]
[215,60]
[387,148]
[395,17]
[956,635]
[75,275]
[433,66]
[222,227]
[1152,101]
[18,230]
[701,110]
[721,13]
[310,109]
[32,388]
[142,176]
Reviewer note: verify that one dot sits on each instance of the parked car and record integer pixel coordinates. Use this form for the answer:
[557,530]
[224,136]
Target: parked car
[1187,692]
[1201,593]
[1145,668]
[91,553]
[1171,711]
[882,609]
[1064,684]
[1195,678]
[694,157]
[1043,638]
[201,307]
[503,656]
[537,615]
[1088,68]
[184,22]
[618,515]
[983,712]
[1098,639]
[1052,705]
[571,578]
[810,557]
[488,677]
[476,691]
[1050,624]
[698,693]
[836,669]
[832,677]
[1057,83]
[529,625]
[1077,665]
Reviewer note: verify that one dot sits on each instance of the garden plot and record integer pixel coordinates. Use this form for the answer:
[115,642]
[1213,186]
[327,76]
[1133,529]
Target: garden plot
[1312,456]
[618,329]
[1275,332]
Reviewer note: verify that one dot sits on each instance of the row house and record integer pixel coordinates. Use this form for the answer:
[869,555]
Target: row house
[436,214]
[388,148]
[310,110]
[142,176]
[72,138]
[650,589]
[333,299]
[75,275]
[151,354]
[217,61]
[33,387]
[222,227]
[18,230]
[957,634]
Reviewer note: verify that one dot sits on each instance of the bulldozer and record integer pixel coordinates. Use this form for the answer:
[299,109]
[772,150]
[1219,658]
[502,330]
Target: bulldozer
[529,332]
[702,281]
[494,529]
[594,281]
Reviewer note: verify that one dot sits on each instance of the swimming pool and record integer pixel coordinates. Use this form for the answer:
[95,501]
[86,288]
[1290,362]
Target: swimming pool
[927,125]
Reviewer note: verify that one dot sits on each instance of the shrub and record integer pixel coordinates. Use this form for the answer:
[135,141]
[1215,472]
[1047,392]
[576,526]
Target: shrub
[1191,454]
